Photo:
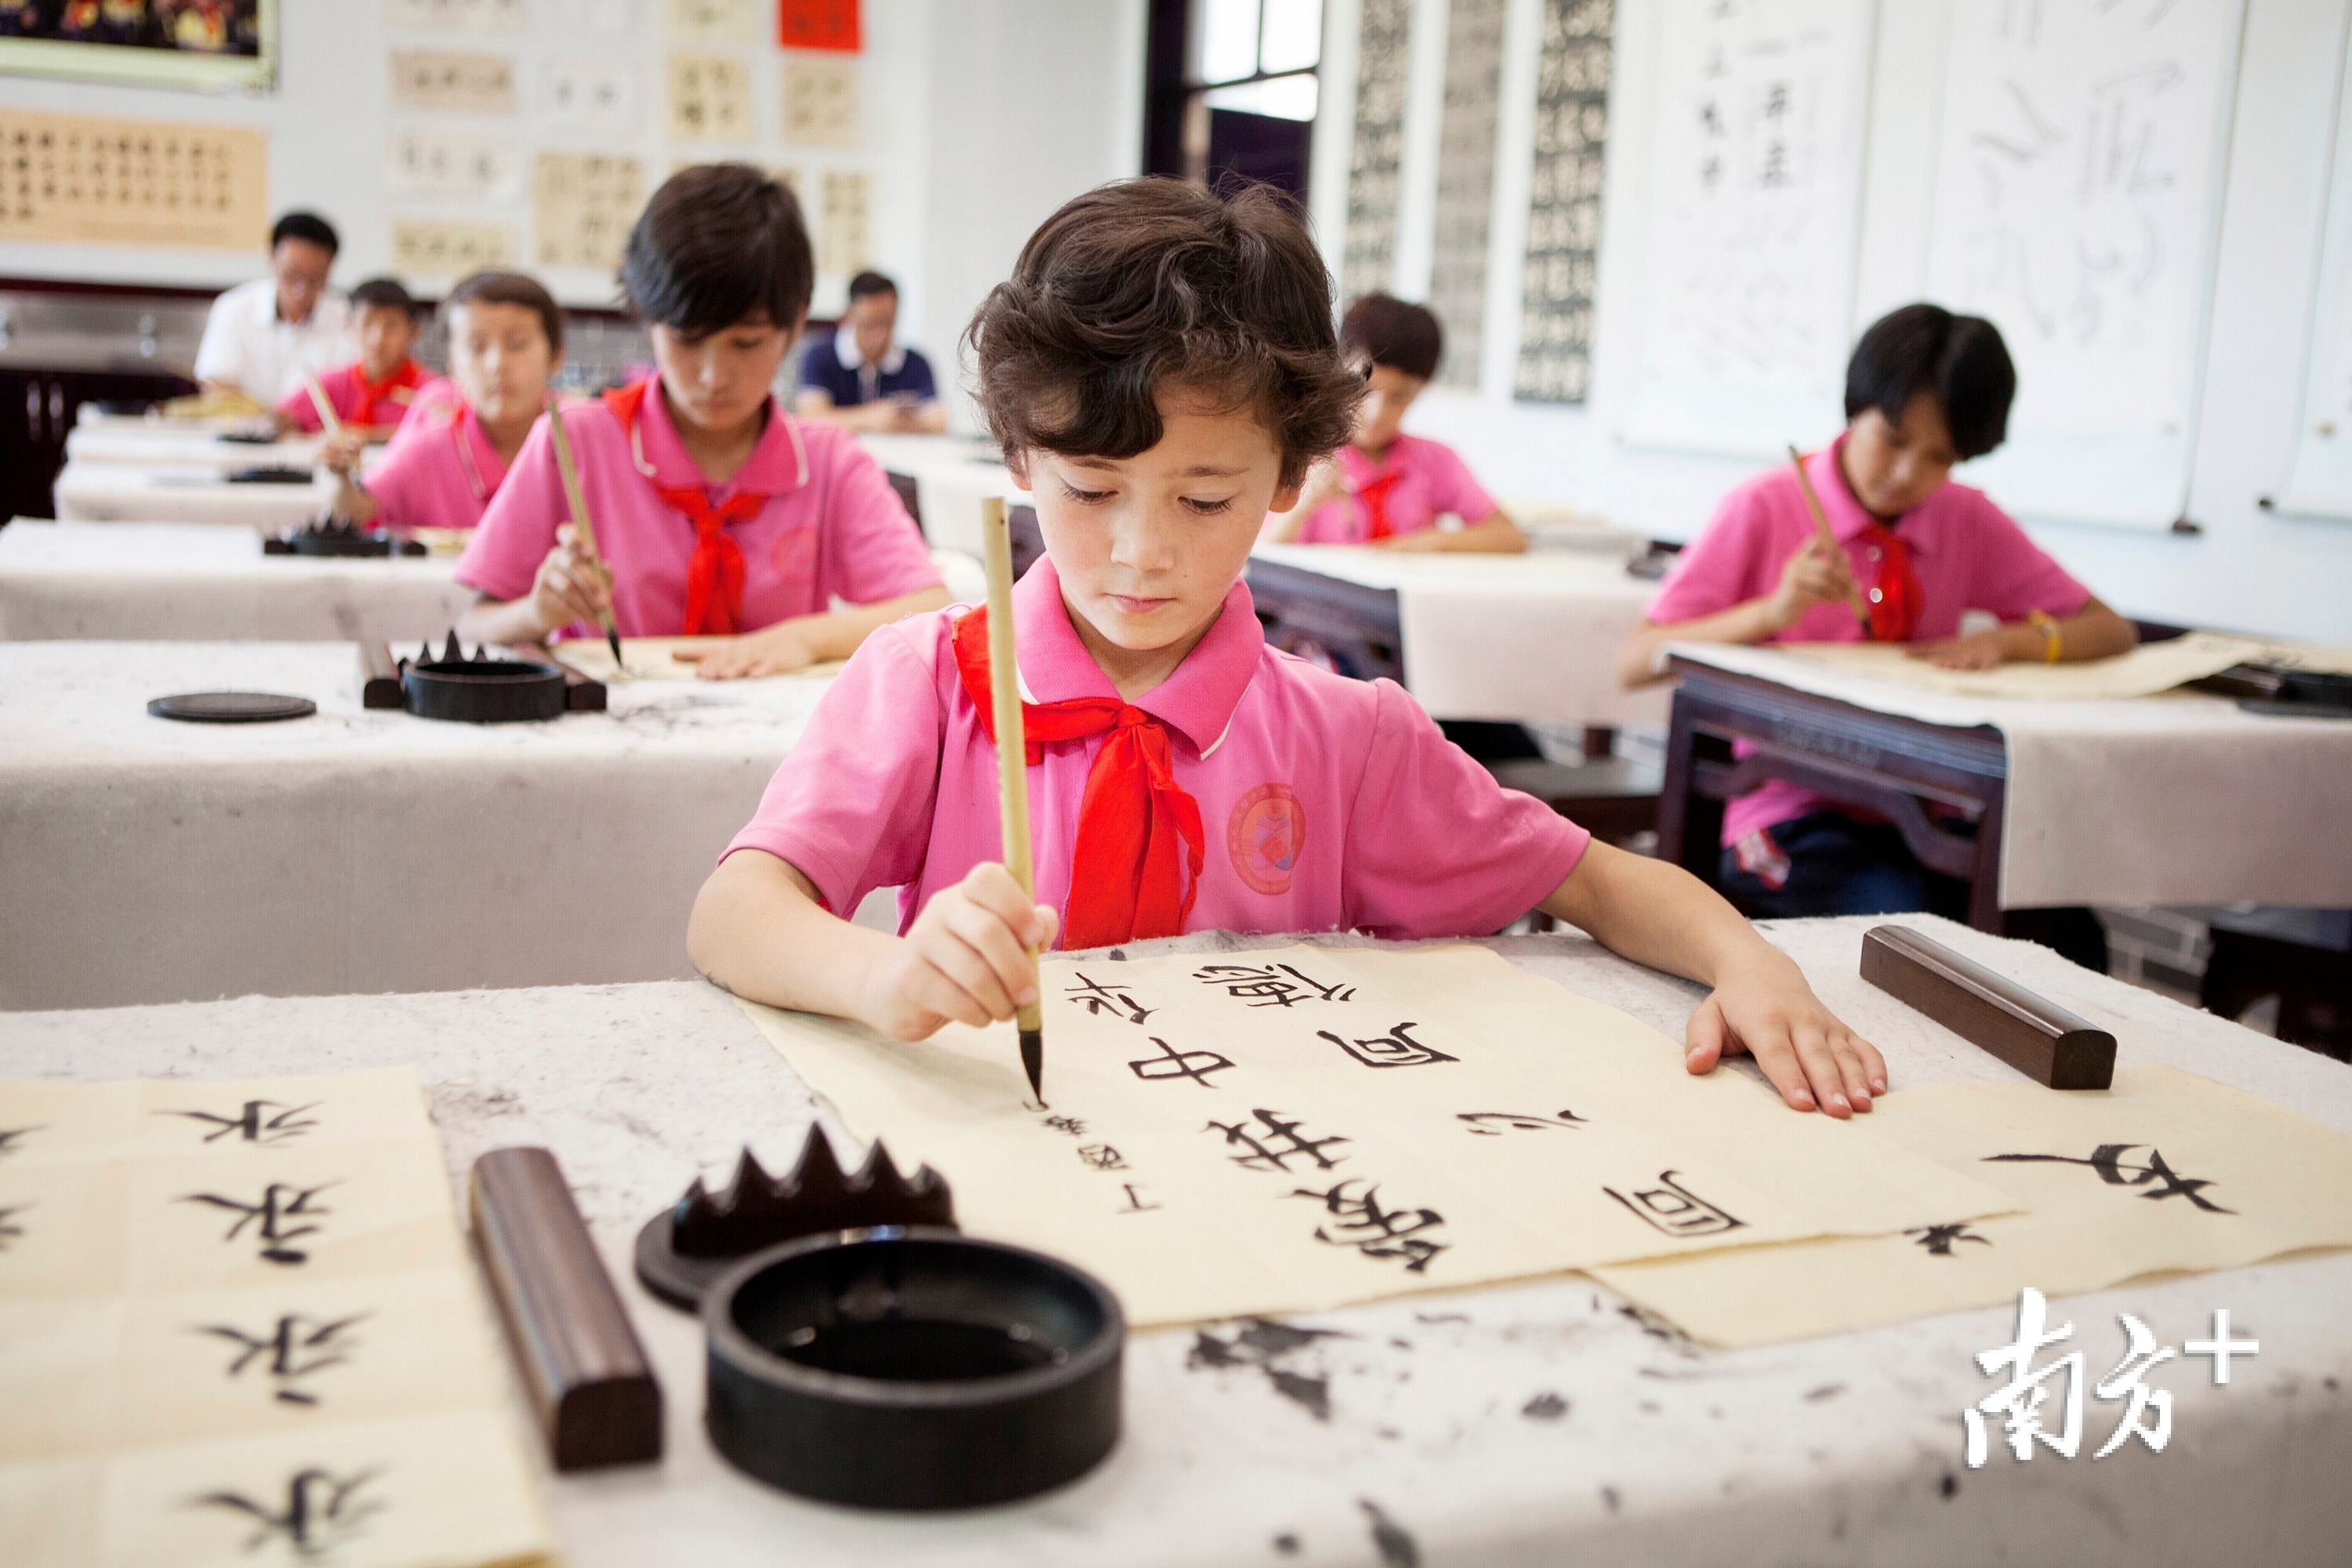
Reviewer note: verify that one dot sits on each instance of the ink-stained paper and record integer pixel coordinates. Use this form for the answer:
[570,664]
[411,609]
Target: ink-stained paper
[842,236]
[714,21]
[2144,671]
[237,1324]
[582,206]
[1294,1130]
[441,165]
[439,247]
[820,100]
[452,83]
[655,659]
[107,181]
[709,99]
[2164,1172]
[591,94]
[460,16]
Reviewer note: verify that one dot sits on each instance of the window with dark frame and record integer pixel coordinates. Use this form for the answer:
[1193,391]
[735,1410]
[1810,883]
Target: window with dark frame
[1233,88]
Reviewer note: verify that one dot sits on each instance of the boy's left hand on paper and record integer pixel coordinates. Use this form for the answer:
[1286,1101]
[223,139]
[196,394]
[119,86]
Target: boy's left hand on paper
[965,959]
[1977,650]
[779,649]
[1765,1008]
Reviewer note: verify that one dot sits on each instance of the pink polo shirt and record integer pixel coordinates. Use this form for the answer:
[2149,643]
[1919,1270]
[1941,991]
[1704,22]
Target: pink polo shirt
[1970,555]
[832,527]
[353,401]
[1431,478]
[440,470]
[1328,803]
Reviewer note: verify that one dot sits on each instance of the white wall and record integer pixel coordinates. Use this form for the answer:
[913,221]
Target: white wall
[1032,102]
[2250,569]
[980,116]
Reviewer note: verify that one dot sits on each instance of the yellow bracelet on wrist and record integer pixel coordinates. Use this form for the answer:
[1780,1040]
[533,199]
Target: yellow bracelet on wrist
[2054,636]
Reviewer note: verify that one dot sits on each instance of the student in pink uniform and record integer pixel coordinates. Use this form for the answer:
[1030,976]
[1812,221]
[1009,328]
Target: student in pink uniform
[372,395]
[449,458]
[1161,370]
[1925,389]
[1384,487]
[716,513]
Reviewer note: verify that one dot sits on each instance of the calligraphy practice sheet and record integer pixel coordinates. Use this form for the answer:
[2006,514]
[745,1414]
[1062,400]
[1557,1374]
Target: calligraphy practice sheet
[437,247]
[2164,1172]
[1294,1130]
[582,206]
[709,99]
[132,181]
[237,1325]
[452,83]
[652,659]
[821,101]
[2144,671]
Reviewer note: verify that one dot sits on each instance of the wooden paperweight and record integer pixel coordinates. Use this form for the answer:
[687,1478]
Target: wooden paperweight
[2038,1037]
[593,1391]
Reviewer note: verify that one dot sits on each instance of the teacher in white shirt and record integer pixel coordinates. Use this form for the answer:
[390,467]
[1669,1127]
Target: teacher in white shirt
[262,335]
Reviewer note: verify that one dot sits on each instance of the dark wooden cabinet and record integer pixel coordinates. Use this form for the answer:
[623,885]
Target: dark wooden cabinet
[37,407]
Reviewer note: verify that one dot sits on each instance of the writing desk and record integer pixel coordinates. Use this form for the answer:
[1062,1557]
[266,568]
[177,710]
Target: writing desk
[1534,1424]
[2180,798]
[1530,637]
[171,581]
[357,849]
[163,446]
[130,492]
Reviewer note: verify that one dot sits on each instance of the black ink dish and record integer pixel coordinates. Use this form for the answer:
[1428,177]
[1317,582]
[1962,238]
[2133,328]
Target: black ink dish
[912,1368]
[480,689]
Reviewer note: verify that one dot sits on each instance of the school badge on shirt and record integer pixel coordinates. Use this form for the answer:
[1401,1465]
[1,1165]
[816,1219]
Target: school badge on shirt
[1264,836]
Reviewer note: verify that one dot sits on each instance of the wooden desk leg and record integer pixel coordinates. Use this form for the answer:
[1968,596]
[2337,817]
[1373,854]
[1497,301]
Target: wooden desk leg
[1680,811]
[1984,891]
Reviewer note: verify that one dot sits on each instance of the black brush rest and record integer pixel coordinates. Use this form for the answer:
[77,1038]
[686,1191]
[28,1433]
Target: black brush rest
[689,1245]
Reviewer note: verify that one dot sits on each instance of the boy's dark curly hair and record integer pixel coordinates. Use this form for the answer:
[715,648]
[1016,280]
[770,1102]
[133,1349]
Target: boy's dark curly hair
[1154,283]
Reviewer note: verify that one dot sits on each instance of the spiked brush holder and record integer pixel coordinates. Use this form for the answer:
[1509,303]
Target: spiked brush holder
[687,1247]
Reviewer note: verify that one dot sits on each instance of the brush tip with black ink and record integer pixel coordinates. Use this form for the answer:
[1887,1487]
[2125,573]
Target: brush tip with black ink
[1033,1061]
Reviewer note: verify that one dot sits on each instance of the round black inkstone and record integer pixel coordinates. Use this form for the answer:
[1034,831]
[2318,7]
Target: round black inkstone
[911,1368]
[231,707]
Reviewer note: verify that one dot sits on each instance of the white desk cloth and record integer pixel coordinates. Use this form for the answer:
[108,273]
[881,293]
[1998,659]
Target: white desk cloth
[2180,798]
[1526,1425]
[125,492]
[151,860]
[1527,638]
[175,582]
[159,445]
[198,582]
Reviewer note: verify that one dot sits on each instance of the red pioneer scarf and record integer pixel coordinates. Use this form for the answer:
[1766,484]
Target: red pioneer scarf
[714,577]
[1375,495]
[1127,879]
[1894,598]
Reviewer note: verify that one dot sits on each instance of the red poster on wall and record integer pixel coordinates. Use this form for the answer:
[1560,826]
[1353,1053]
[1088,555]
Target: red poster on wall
[818,24]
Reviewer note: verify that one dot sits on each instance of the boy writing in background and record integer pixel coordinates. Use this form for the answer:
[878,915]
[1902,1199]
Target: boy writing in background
[1162,372]
[371,394]
[451,454]
[1385,487]
[716,513]
[1925,389]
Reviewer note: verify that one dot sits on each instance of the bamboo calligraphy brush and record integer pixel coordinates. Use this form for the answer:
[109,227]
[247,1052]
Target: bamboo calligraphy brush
[1012,756]
[1821,529]
[319,400]
[584,531]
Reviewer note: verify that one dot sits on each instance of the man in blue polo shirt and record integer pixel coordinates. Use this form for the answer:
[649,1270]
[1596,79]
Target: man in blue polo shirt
[859,378]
